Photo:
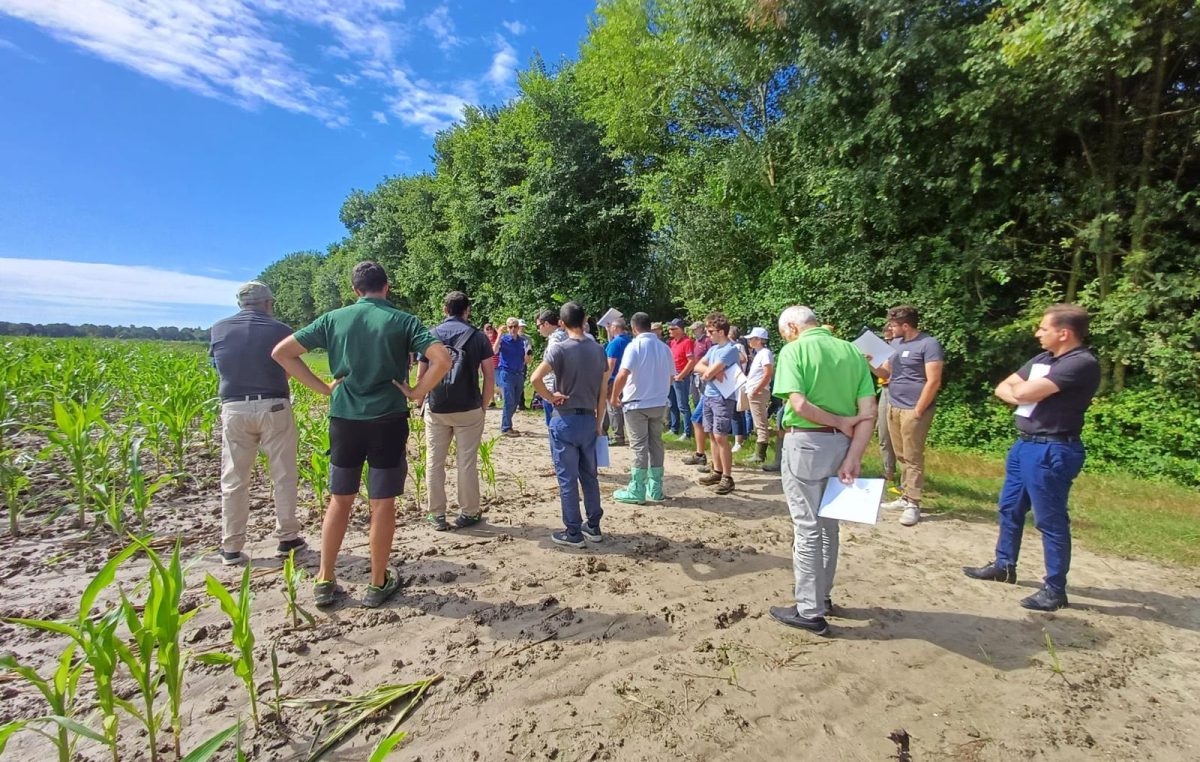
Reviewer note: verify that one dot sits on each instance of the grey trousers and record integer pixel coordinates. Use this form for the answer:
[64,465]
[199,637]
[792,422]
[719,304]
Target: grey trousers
[886,452]
[808,461]
[614,418]
[645,427]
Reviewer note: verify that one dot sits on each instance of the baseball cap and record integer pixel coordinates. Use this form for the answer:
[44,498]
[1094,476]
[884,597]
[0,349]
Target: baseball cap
[521,322]
[678,323]
[696,325]
[758,333]
[254,292]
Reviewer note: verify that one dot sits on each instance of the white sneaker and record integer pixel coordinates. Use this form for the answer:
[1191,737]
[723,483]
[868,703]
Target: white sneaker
[911,516]
[737,446]
[896,505]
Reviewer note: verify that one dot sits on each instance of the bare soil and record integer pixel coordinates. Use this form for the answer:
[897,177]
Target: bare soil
[656,644]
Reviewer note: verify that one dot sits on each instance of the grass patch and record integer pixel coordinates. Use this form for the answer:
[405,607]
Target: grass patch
[1111,512]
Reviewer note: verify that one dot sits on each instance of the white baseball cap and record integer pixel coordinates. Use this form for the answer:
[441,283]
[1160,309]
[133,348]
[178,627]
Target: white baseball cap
[758,333]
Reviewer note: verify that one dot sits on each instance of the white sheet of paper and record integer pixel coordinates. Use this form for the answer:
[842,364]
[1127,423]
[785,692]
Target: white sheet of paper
[1039,370]
[872,344]
[602,460]
[858,502]
[734,379]
[612,314]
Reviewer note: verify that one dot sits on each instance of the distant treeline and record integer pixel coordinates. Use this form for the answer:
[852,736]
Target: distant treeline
[88,330]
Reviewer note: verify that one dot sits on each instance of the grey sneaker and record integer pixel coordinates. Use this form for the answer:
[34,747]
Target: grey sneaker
[233,558]
[325,592]
[591,535]
[377,595]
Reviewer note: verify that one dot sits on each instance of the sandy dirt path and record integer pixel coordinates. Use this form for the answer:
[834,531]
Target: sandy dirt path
[656,644]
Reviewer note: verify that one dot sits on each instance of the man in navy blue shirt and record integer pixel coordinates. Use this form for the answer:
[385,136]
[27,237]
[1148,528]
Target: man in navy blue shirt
[1051,393]
[510,373]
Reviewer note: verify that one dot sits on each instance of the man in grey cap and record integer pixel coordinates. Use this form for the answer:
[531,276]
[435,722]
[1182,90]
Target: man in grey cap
[256,414]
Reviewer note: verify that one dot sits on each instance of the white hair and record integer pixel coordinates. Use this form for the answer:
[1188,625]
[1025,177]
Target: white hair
[798,315]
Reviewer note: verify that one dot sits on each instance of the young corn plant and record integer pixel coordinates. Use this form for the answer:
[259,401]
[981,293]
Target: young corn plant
[156,658]
[293,577]
[76,423]
[95,641]
[312,464]
[14,484]
[487,467]
[176,413]
[141,491]
[242,660]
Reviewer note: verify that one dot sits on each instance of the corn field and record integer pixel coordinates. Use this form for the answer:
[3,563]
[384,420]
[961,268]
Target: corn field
[101,442]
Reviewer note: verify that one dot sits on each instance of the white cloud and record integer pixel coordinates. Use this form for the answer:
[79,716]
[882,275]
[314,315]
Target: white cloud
[515,28]
[52,290]
[504,65]
[418,103]
[379,116]
[402,158]
[235,50]
[441,26]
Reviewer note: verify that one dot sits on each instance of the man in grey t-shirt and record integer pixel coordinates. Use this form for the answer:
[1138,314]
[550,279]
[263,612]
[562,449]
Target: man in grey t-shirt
[580,371]
[915,373]
[256,413]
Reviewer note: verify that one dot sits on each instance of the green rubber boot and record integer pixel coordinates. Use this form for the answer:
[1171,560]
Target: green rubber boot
[654,486]
[635,493]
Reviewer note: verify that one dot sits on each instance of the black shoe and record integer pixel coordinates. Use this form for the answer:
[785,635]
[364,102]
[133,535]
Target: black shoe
[233,558]
[569,540]
[287,546]
[787,615]
[1045,600]
[992,573]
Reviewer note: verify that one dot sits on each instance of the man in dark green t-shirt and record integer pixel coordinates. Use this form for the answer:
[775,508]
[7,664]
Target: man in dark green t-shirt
[369,343]
[829,410]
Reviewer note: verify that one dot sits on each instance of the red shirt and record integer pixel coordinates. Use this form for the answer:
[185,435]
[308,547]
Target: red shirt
[702,346]
[681,351]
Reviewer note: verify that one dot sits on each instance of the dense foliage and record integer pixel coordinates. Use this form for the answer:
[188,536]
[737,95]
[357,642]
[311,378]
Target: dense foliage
[978,159]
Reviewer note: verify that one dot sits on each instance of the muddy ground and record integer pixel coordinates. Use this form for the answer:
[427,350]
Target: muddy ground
[656,645]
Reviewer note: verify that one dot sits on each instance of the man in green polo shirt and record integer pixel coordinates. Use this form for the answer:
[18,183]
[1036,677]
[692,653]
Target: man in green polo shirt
[369,343]
[829,410]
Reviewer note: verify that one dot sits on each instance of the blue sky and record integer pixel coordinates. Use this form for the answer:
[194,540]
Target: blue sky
[155,153]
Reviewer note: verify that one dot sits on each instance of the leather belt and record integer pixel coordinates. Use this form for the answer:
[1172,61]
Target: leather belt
[561,411]
[1049,438]
[811,430]
[253,397]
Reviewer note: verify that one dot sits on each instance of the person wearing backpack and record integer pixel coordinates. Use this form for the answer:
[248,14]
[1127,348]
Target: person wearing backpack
[454,410]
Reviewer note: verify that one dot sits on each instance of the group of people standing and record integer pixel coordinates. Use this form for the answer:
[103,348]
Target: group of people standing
[637,385]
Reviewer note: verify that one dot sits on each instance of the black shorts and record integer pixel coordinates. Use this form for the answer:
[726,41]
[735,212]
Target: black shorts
[378,442]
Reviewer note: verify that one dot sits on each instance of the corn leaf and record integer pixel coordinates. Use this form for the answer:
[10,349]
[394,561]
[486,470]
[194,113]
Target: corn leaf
[385,746]
[206,750]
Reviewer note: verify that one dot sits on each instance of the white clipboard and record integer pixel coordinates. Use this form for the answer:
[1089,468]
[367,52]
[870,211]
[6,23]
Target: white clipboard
[872,344]
[612,314]
[734,379]
[858,502]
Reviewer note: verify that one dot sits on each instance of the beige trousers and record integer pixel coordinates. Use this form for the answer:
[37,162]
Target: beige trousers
[908,432]
[466,430]
[758,413]
[246,428]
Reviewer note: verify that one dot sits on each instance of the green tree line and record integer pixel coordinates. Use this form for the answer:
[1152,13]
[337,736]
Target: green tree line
[92,331]
[977,159]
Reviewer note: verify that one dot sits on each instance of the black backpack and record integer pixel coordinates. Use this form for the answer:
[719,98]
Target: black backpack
[459,383]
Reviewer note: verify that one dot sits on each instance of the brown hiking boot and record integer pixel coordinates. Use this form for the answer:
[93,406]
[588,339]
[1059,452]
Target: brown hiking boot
[710,478]
[724,486]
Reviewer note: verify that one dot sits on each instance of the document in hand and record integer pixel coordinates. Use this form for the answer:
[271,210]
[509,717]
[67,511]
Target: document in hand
[612,314]
[734,379]
[1039,370]
[858,502]
[602,460]
[871,344]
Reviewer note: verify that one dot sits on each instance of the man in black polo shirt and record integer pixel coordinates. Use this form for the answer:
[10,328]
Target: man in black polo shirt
[1051,393]
[454,410]
[256,413]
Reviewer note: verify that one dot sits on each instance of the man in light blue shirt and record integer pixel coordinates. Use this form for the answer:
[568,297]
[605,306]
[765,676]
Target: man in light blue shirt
[640,389]
[721,359]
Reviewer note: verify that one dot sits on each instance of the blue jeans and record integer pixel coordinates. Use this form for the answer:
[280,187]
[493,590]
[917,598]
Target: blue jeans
[573,448]
[1039,476]
[681,412]
[512,389]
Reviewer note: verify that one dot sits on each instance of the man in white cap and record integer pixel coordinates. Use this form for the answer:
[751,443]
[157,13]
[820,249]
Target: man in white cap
[758,389]
[256,413]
